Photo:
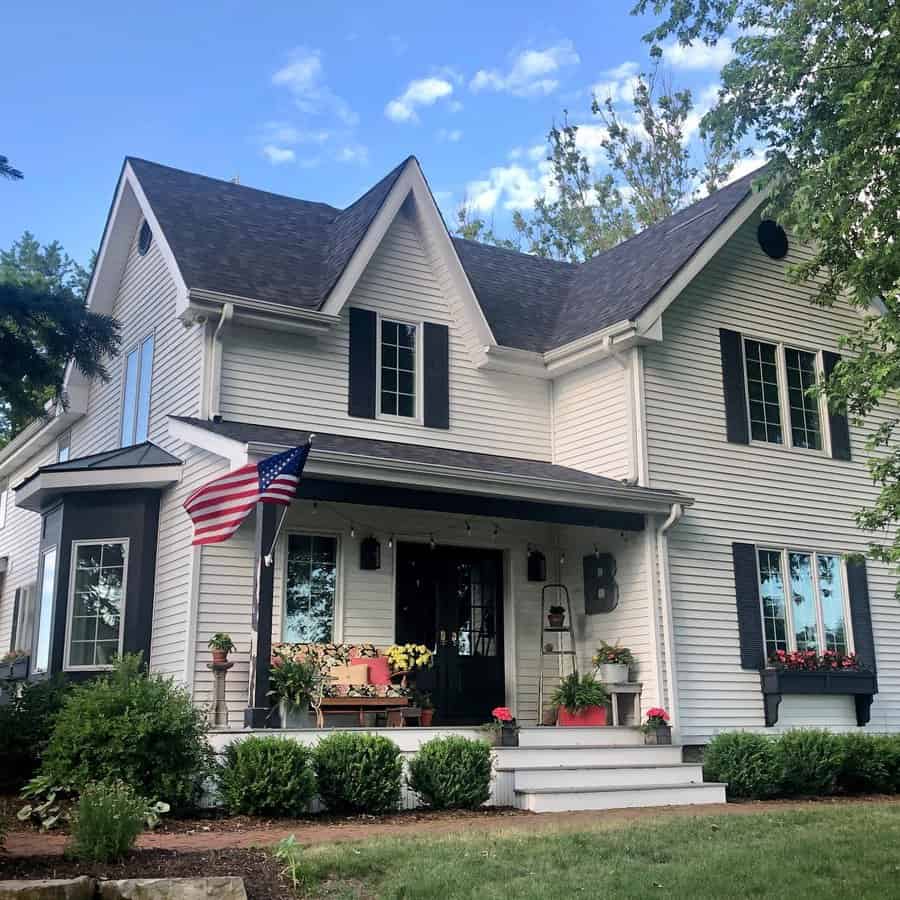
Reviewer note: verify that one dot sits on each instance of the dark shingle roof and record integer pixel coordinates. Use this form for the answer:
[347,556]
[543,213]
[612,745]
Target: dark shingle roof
[237,240]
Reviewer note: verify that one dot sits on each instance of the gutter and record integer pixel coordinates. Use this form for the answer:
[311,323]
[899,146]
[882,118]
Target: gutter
[662,541]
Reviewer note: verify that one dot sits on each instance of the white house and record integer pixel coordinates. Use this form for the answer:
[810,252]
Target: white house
[475,409]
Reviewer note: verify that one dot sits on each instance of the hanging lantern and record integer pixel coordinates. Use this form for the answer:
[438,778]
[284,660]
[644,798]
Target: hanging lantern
[537,566]
[370,553]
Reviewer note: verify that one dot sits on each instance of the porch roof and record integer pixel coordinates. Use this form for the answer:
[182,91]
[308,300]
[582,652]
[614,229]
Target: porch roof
[520,488]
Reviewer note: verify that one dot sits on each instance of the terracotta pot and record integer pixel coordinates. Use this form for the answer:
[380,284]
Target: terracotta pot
[590,717]
[426,717]
[219,656]
[556,620]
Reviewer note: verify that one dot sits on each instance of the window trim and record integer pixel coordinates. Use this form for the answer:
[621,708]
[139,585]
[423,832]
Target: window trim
[418,376]
[784,403]
[337,618]
[70,600]
[785,570]
[4,503]
[38,609]
[136,347]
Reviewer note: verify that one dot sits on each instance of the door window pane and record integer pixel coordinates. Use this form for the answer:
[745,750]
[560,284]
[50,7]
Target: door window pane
[801,375]
[762,390]
[98,593]
[831,596]
[398,369]
[771,584]
[803,604]
[41,660]
[310,589]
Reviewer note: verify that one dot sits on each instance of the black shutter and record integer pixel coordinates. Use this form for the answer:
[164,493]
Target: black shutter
[738,428]
[436,350]
[749,613]
[361,393]
[860,613]
[837,422]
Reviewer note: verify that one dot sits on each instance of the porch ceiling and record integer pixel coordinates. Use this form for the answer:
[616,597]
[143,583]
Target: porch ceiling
[384,473]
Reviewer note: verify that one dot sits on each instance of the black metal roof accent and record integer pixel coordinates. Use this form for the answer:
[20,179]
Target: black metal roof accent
[138,456]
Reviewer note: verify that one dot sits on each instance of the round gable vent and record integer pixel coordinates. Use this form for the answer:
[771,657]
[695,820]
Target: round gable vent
[144,239]
[772,239]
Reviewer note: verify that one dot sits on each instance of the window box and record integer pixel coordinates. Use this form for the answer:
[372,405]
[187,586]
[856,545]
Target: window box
[861,685]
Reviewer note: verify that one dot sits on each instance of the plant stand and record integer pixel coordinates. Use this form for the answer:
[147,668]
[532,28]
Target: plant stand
[220,707]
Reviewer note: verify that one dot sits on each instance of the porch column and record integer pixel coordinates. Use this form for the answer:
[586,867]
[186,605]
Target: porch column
[259,713]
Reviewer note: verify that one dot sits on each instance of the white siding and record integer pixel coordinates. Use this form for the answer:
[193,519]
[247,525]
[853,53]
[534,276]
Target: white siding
[758,493]
[304,380]
[591,423]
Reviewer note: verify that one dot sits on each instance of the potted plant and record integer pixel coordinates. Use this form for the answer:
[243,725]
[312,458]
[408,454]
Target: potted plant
[580,701]
[613,663]
[506,723]
[556,616]
[657,729]
[423,701]
[221,645]
[14,665]
[294,679]
[405,659]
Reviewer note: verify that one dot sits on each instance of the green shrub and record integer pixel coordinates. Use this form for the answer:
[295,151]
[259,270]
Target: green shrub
[745,761]
[864,764]
[268,776]
[809,760]
[889,745]
[26,723]
[141,729]
[358,773]
[108,819]
[452,773]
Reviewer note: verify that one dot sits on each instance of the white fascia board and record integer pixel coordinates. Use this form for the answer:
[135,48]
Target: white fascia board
[235,452]
[454,479]
[513,361]
[33,493]
[34,438]
[259,313]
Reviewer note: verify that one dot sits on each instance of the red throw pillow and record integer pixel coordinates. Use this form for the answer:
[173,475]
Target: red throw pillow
[379,670]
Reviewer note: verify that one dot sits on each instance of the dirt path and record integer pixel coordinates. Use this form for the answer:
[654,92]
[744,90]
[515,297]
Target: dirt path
[211,836]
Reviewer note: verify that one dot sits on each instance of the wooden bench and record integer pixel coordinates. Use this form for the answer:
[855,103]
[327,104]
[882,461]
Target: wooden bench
[363,705]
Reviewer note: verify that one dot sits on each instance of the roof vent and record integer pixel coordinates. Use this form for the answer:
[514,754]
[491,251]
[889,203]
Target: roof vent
[772,239]
[144,238]
[692,219]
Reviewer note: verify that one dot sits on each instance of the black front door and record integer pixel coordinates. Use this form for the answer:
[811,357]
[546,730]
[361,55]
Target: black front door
[451,600]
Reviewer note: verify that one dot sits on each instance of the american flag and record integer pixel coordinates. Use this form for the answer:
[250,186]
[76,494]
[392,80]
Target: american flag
[218,508]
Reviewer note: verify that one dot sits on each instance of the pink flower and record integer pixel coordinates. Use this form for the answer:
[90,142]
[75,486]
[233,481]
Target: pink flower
[658,712]
[502,714]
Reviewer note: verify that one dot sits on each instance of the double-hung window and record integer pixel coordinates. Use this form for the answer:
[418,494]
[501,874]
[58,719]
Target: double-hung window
[397,369]
[781,410]
[96,603]
[310,588]
[136,393]
[804,601]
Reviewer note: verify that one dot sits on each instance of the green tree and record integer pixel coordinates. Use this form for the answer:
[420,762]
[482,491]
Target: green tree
[7,170]
[815,83]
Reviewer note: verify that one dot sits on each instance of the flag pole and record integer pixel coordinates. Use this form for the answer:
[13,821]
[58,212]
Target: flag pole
[269,558]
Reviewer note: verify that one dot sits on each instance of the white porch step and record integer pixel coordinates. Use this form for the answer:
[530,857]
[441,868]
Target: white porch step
[571,799]
[608,755]
[598,777]
[551,736]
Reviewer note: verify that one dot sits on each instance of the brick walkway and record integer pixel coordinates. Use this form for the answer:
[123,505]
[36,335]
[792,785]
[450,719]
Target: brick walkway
[29,843]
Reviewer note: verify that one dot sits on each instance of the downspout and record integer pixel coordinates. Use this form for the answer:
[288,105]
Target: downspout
[677,511]
[215,375]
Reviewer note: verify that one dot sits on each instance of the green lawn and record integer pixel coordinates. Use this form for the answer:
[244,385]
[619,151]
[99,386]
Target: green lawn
[840,851]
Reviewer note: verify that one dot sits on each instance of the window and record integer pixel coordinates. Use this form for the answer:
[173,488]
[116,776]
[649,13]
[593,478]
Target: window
[816,617]
[310,589]
[96,601]
[62,446]
[23,618]
[398,369]
[768,366]
[136,396]
[41,661]
[145,237]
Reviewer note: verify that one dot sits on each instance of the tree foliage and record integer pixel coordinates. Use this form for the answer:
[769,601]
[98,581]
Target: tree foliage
[815,83]
[7,170]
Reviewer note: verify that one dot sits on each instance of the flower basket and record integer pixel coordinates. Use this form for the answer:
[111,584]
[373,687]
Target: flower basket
[613,673]
[589,717]
[509,734]
[660,734]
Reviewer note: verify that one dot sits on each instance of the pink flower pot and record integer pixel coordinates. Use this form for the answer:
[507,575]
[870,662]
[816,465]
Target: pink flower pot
[591,717]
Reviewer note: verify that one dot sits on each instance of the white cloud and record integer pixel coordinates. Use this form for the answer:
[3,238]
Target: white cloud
[422,92]
[278,155]
[698,55]
[589,139]
[303,76]
[450,135]
[530,73]
[354,153]
[454,106]
[746,166]
[512,187]
[618,84]
[703,103]
[285,133]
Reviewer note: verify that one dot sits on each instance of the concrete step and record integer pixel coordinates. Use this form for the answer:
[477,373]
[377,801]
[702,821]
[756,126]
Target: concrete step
[551,736]
[597,777]
[610,755]
[572,799]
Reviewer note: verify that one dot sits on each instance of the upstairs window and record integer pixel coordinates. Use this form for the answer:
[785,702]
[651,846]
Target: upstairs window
[63,446]
[763,392]
[398,369]
[136,394]
[801,375]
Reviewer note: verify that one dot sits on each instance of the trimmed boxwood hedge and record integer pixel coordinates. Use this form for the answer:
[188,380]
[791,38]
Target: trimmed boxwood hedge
[358,773]
[452,773]
[803,762]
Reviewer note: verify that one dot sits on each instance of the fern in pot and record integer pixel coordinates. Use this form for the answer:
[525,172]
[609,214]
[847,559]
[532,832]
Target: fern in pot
[580,701]
[613,663]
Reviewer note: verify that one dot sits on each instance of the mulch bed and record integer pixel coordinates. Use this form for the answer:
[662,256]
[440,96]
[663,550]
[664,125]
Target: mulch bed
[261,874]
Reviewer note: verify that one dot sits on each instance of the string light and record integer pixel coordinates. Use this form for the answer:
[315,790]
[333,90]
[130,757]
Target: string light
[391,542]
[352,530]
[431,543]
[495,533]
[315,507]
[596,552]
[468,528]
[562,558]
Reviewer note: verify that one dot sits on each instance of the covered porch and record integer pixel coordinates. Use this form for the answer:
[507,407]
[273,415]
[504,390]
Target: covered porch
[463,553]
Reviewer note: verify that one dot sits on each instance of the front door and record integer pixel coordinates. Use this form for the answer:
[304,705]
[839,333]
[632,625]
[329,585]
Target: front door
[451,600]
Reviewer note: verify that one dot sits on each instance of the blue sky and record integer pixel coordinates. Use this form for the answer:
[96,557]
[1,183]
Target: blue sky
[315,100]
